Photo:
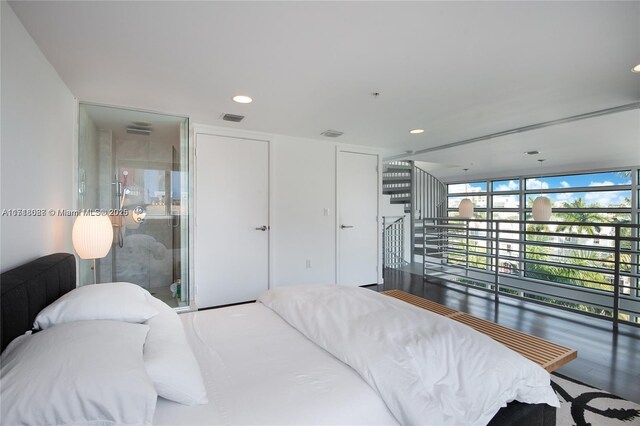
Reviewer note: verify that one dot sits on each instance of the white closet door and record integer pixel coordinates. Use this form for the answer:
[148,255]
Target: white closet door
[357,218]
[232,218]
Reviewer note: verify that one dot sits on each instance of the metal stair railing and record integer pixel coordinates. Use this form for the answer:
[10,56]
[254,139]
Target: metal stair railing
[422,194]
[428,200]
[429,195]
[393,242]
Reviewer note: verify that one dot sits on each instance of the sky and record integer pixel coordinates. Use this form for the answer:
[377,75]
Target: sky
[593,179]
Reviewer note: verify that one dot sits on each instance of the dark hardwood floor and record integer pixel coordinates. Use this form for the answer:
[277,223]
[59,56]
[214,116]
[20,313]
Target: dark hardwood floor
[606,359]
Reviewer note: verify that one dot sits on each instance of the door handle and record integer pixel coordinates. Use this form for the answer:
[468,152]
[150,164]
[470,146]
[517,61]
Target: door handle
[262,228]
[346,226]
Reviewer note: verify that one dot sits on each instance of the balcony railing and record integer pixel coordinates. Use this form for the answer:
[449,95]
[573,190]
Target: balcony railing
[590,268]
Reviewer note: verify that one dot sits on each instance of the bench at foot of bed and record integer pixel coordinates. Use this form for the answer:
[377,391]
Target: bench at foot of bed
[549,355]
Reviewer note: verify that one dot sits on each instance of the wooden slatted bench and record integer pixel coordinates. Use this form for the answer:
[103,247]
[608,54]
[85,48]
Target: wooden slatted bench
[549,355]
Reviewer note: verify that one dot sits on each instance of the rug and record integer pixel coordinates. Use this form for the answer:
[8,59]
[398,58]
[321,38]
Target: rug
[583,405]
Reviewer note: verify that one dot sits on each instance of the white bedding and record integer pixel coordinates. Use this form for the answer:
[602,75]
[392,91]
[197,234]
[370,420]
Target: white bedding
[427,368]
[259,370]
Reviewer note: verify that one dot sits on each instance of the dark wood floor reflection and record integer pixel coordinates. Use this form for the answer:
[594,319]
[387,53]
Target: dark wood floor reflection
[606,359]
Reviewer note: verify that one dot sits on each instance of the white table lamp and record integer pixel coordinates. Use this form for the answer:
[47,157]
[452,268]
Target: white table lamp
[92,236]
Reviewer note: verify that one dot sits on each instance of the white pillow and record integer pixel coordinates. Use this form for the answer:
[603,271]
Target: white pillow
[85,372]
[109,301]
[171,365]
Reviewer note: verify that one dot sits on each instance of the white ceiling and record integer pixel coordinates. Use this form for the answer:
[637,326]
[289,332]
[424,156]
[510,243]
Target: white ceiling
[457,69]
[608,141]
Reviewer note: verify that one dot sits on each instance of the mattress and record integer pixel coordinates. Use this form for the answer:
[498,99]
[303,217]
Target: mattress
[259,370]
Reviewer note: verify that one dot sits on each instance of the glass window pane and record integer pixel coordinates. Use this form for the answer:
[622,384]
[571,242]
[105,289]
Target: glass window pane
[505,227]
[479,201]
[506,201]
[477,254]
[582,200]
[592,217]
[505,185]
[505,216]
[584,180]
[476,214]
[460,188]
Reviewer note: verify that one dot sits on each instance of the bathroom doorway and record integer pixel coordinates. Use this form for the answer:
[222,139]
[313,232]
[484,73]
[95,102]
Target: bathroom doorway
[134,165]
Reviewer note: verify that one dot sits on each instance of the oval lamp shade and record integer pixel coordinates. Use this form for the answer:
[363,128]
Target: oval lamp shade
[465,209]
[541,209]
[92,236]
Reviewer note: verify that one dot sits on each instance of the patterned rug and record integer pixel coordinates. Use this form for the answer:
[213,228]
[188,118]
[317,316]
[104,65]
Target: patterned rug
[583,405]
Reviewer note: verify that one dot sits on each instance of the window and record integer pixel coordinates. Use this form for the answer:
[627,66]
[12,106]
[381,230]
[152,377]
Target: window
[576,250]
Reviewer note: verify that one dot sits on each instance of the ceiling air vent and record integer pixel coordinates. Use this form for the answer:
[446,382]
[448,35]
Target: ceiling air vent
[233,117]
[138,131]
[332,133]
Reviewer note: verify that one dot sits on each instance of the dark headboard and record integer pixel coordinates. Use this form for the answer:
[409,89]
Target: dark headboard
[27,289]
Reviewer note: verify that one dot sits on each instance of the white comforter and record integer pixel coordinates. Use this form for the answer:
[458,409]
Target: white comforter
[428,369]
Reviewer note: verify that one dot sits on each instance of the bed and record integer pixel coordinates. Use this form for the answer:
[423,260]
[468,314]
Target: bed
[546,354]
[256,367]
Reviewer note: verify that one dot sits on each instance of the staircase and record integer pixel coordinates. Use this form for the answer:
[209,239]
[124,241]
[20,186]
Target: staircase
[421,194]
[396,182]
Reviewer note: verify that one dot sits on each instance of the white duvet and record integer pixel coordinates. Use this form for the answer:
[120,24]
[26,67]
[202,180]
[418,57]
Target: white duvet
[428,369]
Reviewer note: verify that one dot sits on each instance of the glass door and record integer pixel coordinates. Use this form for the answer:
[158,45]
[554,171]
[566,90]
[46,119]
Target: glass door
[133,165]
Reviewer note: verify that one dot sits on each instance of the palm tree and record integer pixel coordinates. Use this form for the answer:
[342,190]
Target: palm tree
[538,252]
[581,218]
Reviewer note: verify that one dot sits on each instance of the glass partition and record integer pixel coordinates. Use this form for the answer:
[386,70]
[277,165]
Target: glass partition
[133,166]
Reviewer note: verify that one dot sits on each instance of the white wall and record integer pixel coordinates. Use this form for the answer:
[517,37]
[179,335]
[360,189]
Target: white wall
[37,148]
[304,184]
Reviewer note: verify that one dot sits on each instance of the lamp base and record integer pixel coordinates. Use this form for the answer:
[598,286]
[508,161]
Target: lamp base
[95,279]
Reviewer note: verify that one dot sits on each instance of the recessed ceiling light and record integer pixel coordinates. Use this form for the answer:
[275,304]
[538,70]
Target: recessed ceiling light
[636,69]
[242,99]
[416,131]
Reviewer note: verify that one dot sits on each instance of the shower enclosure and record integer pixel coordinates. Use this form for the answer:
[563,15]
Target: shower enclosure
[133,165]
